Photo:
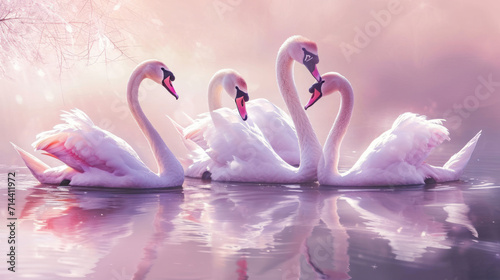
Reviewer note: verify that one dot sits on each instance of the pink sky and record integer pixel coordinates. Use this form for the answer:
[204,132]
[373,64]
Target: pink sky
[429,58]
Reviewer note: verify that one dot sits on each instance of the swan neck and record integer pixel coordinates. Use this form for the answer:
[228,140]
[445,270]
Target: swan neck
[166,161]
[331,151]
[214,92]
[310,148]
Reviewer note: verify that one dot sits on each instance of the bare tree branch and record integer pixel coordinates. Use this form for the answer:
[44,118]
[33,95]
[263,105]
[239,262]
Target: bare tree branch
[60,31]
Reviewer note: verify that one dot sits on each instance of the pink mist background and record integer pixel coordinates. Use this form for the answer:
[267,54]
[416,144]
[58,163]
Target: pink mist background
[426,57]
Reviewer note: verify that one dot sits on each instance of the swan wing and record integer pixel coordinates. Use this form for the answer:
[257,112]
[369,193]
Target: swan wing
[82,145]
[410,140]
[196,130]
[237,150]
[277,126]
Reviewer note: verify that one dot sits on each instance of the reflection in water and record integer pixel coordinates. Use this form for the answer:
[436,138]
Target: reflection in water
[169,207]
[83,225]
[70,228]
[402,220]
[242,231]
[433,228]
[328,253]
[248,224]
[476,248]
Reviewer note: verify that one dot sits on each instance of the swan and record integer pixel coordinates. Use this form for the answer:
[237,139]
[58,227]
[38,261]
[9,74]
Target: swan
[233,150]
[397,157]
[274,123]
[276,126]
[236,87]
[96,157]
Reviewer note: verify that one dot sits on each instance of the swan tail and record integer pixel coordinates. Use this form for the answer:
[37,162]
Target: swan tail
[194,150]
[188,117]
[197,162]
[189,144]
[459,160]
[36,166]
[177,126]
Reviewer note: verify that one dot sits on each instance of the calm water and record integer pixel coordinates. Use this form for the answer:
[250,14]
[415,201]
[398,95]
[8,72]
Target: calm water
[241,231]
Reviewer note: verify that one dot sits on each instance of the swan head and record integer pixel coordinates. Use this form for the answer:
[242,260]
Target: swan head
[316,91]
[330,82]
[305,52]
[236,87]
[159,72]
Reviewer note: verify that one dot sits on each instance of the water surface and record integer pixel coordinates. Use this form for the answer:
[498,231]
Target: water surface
[210,230]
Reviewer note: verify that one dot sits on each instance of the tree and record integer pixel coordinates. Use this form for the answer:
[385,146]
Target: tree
[35,32]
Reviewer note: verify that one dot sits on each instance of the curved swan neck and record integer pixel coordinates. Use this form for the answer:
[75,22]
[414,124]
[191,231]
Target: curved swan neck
[310,148]
[215,91]
[166,161]
[331,155]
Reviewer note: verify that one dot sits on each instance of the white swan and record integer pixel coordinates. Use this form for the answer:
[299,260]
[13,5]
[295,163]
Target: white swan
[277,127]
[274,123]
[397,157]
[238,151]
[236,87]
[96,157]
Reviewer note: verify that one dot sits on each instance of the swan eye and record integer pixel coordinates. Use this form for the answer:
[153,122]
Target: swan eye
[167,74]
[240,93]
